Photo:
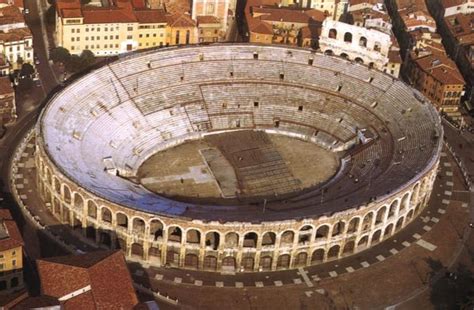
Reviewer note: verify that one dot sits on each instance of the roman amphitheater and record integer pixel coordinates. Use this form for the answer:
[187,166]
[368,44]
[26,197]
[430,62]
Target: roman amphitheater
[236,157]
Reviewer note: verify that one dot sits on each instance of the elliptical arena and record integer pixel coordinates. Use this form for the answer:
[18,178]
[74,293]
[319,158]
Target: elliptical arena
[177,156]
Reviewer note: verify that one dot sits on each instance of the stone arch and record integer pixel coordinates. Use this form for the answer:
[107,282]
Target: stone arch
[229,263]
[328,53]
[77,224]
[138,225]
[338,228]
[333,252]
[154,254]
[172,257]
[322,232]
[376,237]
[399,224]
[344,55]
[248,263]
[266,263]
[393,208]
[67,197]
[78,201]
[90,233]
[332,33]
[122,244]
[305,233]
[363,242]
[105,239]
[137,250]
[210,262]
[250,240]
[410,215]
[193,236]
[388,231]
[348,247]
[105,215]
[66,218]
[317,256]
[287,238]
[156,229]
[91,209]
[348,37]
[363,41]
[57,186]
[367,222]
[175,234]
[377,46]
[212,240]
[269,239]
[283,261]
[231,240]
[380,215]
[49,178]
[191,260]
[56,207]
[405,202]
[122,219]
[353,225]
[359,60]
[414,195]
[301,259]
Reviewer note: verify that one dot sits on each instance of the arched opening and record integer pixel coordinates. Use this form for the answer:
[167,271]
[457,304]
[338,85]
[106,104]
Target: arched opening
[305,233]
[388,231]
[418,208]
[266,263]
[377,46]
[156,229]
[106,215]
[250,240]
[380,215]
[104,238]
[318,256]
[301,259]
[154,254]
[48,177]
[228,263]
[414,195]
[268,239]
[367,222]
[77,225]
[359,60]
[344,55]
[122,220]
[283,261]
[399,224]
[137,250]
[287,238]
[91,209]
[353,225]
[66,194]
[66,215]
[363,42]
[231,240]
[193,236]
[122,244]
[78,201]
[172,257]
[138,226]
[409,215]
[393,208]
[212,240]
[348,248]
[348,37]
[191,261]
[332,33]
[90,233]
[338,228]
[322,232]
[57,186]
[376,237]
[56,207]
[363,242]
[248,263]
[333,252]
[328,53]
[174,234]
[405,202]
[210,263]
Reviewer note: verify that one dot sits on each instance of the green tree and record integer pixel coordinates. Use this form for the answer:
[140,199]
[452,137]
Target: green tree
[87,58]
[27,70]
[74,64]
[59,54]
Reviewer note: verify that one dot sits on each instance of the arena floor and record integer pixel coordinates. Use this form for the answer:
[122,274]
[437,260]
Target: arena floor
[239,164]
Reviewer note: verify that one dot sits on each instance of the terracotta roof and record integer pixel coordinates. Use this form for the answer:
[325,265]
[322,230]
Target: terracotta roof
[18,3]
[42,301]
[71,13]
[310,32]
[14,35]
[11,15]
[9,231]
[108,15]
[258,26]
[394,57]
[441,68]
[151,16]
[105,271]
[287,15]
[450,3]
[180,20]
[461,27]
[207,19]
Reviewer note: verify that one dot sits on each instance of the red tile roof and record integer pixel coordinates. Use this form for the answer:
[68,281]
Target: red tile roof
[105,271]
[181,20]
[441,68]
[208,19]
[14,35]
[18,3]
[461,27]
[151,16]
[10,233]
[11,15]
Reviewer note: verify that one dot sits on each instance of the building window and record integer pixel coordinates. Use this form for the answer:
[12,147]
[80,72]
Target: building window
[129,37]
[129,28]
[14,282]
[177,37]
[188,33]
[3,285]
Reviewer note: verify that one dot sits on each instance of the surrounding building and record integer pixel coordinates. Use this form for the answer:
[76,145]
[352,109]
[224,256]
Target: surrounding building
[453,7]
[223,10]
[115,27]
[96,280]
[11,254]
[16,41]
[7,101]
[370,16]
[367,46]
[209,28]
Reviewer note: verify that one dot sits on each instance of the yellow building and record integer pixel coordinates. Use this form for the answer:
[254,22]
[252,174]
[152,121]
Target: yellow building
[11,254]
[119,26]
